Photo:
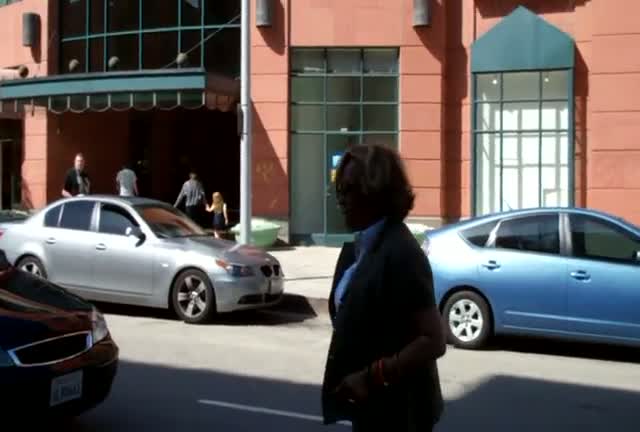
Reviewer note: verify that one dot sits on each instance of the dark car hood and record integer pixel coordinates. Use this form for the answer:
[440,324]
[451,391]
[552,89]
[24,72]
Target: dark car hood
[33,309]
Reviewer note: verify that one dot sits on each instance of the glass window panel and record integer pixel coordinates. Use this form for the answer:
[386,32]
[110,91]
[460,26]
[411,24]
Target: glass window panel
[96,24]
[307,117]
[78,102]
[488,117]
[159,49]
[159,13]
[222,52]
[123,15]
[380,89]
[538,233]
[99,102]
[343,61]
[521,85]
[126,49]
[487,87]
[74,15]
[191,12]
[380,117]
[489,175]
[599,240]
[521,116]
[220,11]
[307,60]
[555,115]
[520,162]
[190,41]
[388,140]
[380,61]
[73,51]
[167,99]
[191,99]
[77,215]
[307,184]
[564,186]
[343,89]
[555,148]
[96,55]
[344,118]
[59,103]
[143,101]
[551,187]
[121,100]
[555,85]
[307,89]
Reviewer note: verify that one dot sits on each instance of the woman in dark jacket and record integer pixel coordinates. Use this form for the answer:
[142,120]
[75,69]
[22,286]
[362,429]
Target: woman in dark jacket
[381,370]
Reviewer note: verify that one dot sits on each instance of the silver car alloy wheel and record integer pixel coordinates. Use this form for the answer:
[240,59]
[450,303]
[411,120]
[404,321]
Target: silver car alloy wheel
[192,296]
[31,267]
[465,320]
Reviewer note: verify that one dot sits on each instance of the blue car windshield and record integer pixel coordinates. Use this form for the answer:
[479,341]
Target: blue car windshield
[168,222]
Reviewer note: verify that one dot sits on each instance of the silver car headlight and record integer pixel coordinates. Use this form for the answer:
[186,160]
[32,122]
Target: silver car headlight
[5,359]
[99,329]
[235,270]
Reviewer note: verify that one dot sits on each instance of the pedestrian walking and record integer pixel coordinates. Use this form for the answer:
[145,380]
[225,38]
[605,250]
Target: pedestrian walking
[76,181]
[381,371]
[127,181]
[220,217]
[192,193]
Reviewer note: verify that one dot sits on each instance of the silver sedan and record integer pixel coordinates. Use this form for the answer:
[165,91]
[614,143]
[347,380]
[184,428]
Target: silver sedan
[142,252]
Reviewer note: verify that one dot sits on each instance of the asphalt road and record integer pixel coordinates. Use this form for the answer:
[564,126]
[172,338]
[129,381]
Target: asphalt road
[262,371]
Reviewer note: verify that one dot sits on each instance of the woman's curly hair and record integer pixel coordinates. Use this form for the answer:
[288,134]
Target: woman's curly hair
[377,176]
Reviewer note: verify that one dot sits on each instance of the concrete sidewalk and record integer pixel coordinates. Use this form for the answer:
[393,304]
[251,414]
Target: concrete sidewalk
[308,270]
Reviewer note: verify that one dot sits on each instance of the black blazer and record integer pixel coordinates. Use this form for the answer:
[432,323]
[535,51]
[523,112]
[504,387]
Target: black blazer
[392,281]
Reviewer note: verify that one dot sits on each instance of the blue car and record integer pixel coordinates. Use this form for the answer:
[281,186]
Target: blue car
[560,272]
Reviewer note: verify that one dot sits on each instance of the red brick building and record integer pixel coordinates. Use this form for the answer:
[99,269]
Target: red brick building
[493,104]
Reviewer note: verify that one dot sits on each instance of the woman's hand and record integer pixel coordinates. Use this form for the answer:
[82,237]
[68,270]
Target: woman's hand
[354,388]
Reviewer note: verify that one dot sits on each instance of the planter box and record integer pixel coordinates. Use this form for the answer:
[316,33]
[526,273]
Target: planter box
[264,233]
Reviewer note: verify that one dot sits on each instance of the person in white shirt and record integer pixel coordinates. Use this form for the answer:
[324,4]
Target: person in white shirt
[127,181]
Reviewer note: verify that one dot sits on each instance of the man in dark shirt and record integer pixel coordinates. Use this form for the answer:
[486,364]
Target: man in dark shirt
[76,181]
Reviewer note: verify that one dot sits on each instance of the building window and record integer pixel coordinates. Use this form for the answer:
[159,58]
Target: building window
[96,31]
[521,135]
[339,98]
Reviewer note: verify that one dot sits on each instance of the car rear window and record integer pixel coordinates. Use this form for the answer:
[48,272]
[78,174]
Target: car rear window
[77,215]
[479,235]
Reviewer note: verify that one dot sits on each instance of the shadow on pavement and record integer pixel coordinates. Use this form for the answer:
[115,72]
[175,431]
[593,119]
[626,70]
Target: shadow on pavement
[148,397]
[291,309]
[561,348]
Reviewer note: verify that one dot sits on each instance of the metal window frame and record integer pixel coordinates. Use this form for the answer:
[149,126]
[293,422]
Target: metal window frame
[105,35]
[326,133]
[475,132]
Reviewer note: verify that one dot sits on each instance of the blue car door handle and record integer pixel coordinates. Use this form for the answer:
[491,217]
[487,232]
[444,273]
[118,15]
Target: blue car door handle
[580,275]
[491,265]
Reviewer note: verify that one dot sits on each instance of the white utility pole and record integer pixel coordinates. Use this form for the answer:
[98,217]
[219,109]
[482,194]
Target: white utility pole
[246,135]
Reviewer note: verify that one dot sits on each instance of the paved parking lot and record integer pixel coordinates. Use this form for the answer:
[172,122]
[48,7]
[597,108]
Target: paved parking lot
[262,371]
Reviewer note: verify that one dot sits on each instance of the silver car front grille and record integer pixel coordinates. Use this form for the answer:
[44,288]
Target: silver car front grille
[52,350]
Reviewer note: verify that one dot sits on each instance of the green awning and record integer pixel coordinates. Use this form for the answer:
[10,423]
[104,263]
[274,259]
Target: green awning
[139,90]
[522,41]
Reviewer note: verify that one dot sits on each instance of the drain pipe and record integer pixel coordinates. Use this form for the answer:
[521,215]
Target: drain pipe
[7,74]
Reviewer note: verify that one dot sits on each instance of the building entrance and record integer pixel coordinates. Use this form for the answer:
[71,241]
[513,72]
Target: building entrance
[10,164]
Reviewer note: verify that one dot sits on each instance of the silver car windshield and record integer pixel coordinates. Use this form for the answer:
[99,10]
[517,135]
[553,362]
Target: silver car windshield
[167,222]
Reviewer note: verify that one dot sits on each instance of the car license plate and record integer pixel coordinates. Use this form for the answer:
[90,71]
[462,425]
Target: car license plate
[66,388]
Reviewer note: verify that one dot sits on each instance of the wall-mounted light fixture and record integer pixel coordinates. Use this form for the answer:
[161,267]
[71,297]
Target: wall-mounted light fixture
[264,13]
[113,62]
[73,65]
[182,59]
[30,29]
[421,13]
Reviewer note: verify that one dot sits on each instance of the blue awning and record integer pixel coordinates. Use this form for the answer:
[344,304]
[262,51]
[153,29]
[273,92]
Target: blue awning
[140,90]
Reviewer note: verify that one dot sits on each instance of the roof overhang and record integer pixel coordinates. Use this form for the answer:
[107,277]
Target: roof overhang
[143,90]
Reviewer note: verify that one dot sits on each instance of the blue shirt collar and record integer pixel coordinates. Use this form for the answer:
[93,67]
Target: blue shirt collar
[366,237]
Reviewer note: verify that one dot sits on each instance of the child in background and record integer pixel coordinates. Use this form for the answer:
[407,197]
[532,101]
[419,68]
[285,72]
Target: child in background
[220,218]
